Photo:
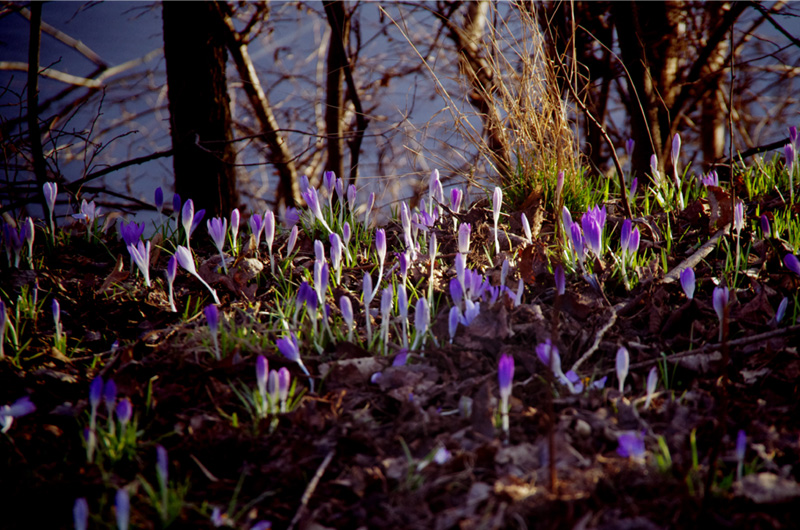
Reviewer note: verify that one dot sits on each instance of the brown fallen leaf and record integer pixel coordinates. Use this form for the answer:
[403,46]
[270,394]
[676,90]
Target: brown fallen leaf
[118,274]
[767,488]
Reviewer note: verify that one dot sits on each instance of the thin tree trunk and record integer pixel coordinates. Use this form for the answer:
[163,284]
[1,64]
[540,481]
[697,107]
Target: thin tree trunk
[34,133]
[281,156]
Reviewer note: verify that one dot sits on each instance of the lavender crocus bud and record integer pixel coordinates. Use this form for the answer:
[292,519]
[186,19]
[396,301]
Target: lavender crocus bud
[269,229]
[319,251]
[346,233]
[347,314]
[738,217]
[352,197]
[328,179]
[676,150]
[781,312]
[262,372]
[284,382]
[631,445]
[688,282]
[80,513]
[629,144]
[380,245]
[464,231]
[634,185]
[290,217]
[505,376]
[452,321]
[792,263]
[292,240]
[497,203]
[560,280]
[765,228]
[720,299]
[622,365]
[526,228]
[794,137]
[176,203]
[217,229]
[559,184]
[162,465]
[652,381]
[110,394]
[256,226]
[288,347]
[124,411]
[159,199]
[741,445]
[95,392]
[212,317]
[456,196]
[625,234]
[122,502]
[50,190]
[461,266]
[566,220]
[187,218]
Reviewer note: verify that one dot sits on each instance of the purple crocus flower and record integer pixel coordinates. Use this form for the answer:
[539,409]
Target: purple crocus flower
[688,282]
[284,382]
[187,218]
[712,179]
[287,345]
[56,308]
[577,242]
[720,299]
[456,197]
[80,512]
[218,229]
[765,228]
[625,234]
[328,180]
[792,263]
[497,202]
[140,254]
[781,311]
[213,319]
[526,228]
[21,407]
[131,232]
[566,220]
[738,217]
[794,137]
[422,317]
[312,200]
[110,395]
[172,271]
[185,260]
[162,465]
[560,280]
[50,190]
[256,227]
[652,381]
[505,376]
[124,411]
[347,314]
[321,278]
[352,197]
[623,362]
[159,199]
[176,203]
[269,235]
[452,321]
[631,445]
[235,219]
[463,237]
[262,373]
[336,255]
[197,219]
[676,151]
[634,186]
[629,147]
[95,392]
[122,501]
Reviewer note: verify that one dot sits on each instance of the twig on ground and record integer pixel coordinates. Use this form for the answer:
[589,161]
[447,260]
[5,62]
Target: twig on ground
[310,488]
[600,333]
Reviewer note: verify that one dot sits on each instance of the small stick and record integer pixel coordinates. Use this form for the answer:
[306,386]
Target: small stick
[310,488]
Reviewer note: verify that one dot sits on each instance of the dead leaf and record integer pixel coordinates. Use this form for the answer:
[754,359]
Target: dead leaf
[721,209]
[119,274]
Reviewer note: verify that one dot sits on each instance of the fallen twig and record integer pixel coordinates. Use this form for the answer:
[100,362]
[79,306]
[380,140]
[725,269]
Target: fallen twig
[310,488]
[597,338]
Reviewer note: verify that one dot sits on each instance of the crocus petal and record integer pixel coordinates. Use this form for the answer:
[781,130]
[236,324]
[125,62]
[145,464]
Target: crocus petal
[622,365]
[688,282]
[792,263]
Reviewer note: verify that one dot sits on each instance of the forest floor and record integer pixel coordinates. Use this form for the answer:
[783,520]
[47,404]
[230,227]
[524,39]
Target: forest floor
[421,445]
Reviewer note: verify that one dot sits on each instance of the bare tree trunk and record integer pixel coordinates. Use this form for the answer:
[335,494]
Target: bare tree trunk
[649,39]
[199,105]
[334,109]
[34,133]
[281,156]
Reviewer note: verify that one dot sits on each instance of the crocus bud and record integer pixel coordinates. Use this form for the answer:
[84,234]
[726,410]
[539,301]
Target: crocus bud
[262,372]
[162,464]
[80,513]
[452,321]
[652,381]
[176,203]
[380,245]
[464,231]
[526,228]
[159,199]
[124,411]
[292,240]
[688,282]
[676,149]
[741,445]
[212,317]
[629,144]
[560,280]
[765,228]
[792,263]
[352,196]
[269,229]
[781,312]
[95,392]
[720,300]
[110,394]
[123,504]
[505,375]
[284,382]
[622,365]
[50,194]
